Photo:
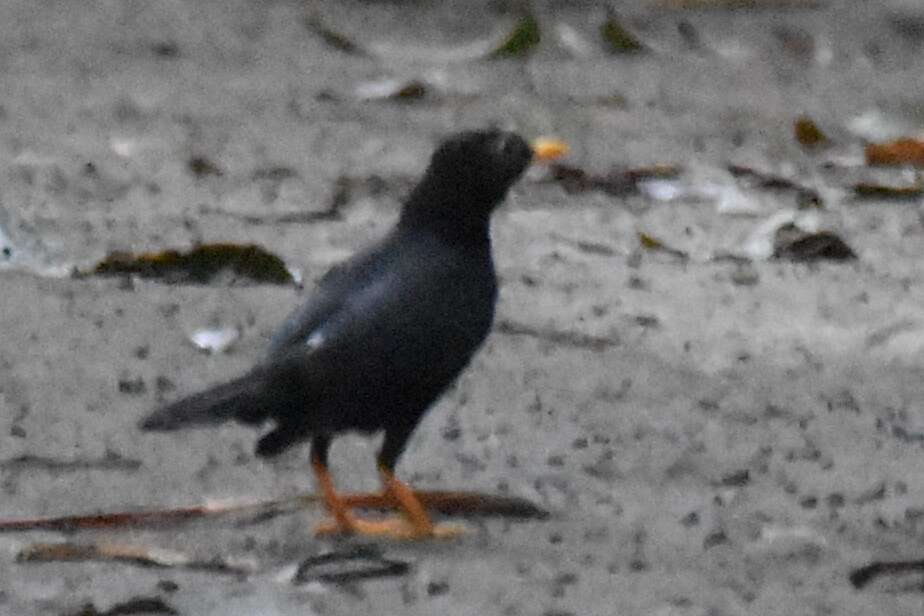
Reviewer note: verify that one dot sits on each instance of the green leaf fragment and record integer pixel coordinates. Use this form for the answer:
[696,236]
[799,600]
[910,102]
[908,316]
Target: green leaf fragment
[524,36]
[619,40]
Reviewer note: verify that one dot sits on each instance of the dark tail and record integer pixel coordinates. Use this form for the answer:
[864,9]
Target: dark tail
[242,399]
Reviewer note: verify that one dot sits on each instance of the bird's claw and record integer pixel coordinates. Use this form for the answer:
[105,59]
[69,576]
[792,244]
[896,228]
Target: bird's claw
[395,527]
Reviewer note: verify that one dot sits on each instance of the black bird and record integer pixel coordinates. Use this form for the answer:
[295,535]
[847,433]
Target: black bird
[385,333]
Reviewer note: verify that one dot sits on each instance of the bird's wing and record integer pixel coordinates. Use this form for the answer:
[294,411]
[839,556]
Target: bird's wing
[335,288]
[387,307]
[352,343]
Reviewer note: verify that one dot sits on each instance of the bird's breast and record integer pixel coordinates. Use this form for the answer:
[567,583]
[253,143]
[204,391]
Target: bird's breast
[446,321]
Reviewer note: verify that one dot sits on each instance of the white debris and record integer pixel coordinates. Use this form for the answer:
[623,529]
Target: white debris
[296,275]
[824,53]
[124,147]
[731,200]
[167,557]
[874,125]
[215,340]
[390,88]
[286,574]
[571,40]
[780,540]
[759,244]
[663,190]
[31,158]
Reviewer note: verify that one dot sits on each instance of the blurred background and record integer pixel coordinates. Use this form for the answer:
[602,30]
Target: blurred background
[707,358]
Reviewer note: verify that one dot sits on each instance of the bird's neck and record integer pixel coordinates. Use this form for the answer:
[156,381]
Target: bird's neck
[458,215]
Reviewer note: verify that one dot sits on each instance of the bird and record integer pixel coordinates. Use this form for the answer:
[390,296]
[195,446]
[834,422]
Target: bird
[383,334]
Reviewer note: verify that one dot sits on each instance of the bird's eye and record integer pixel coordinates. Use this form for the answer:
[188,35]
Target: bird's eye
[503,146]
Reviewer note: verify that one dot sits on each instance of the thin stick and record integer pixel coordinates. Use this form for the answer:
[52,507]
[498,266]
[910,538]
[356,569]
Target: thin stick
[126,553]
[445,502]
[862,576]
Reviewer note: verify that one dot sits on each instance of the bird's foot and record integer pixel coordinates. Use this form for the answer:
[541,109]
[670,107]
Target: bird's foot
[393,527]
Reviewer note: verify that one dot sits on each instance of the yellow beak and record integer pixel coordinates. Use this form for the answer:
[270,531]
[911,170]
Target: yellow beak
[546,149]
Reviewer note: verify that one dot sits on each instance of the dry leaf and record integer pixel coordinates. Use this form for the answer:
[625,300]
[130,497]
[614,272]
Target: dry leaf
[200,166]
[618,182]
[807,132]
[649,242]
[869,190]
[332,38]
[619,40]
[898,152]
[805,197]
[794,244]
[199,265]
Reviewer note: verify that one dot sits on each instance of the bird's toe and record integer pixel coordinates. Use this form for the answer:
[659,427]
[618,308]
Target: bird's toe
[393,527]
[450,531]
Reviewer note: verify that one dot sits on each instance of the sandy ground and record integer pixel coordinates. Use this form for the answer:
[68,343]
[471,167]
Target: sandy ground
[712,437]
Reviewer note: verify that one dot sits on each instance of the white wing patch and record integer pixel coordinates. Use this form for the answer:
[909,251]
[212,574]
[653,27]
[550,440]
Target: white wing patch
[315,340]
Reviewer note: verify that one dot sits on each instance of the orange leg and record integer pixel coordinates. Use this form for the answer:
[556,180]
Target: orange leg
[342,516]
[344,521]
[413,524]
[418,523]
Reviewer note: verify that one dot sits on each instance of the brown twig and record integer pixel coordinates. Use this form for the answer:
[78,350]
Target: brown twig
[861,576]
[125,553]
[444,502]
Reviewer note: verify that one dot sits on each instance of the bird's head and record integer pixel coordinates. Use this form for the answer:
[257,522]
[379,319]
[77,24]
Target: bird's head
[468,176]
[484,163]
